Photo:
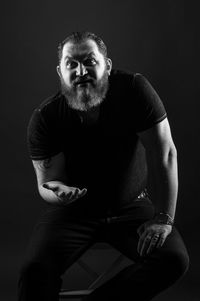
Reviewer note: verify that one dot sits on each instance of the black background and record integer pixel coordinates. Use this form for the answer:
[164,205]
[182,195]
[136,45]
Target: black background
[157,38]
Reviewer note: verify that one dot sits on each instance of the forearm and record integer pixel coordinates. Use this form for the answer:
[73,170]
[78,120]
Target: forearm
[165,183]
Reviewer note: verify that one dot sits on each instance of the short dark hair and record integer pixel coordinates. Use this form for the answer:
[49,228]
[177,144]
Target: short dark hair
[79,37]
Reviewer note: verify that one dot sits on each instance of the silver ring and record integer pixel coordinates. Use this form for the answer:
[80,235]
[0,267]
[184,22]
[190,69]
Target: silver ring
[155,237]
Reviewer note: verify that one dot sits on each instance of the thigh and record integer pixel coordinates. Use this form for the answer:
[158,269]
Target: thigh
[173,248]
[122,232]
[59,240]
[123,236]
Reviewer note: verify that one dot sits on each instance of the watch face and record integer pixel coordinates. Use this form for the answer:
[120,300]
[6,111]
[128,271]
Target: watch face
[164,219]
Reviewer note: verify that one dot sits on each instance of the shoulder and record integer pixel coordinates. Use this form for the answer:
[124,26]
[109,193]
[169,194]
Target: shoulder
[51,107]
[120,76]
[120,84]
[133,84]
[52,103]
[141,82]
[128,80]
[128,77]
[49,112]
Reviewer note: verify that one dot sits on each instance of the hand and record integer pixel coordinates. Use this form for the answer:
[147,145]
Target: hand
[64,193]
[152,235]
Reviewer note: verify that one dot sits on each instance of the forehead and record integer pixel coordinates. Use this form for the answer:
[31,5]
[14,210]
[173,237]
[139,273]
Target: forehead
[74,50]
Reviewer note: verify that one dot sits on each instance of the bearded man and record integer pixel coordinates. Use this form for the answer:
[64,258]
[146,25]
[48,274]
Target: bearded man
[96,146]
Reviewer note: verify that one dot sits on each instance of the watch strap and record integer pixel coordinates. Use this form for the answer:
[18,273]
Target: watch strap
[164,218]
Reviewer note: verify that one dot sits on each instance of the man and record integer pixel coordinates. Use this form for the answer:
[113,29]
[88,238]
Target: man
[94,145]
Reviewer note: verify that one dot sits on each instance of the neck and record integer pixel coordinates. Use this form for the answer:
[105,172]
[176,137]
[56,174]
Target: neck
[91,116]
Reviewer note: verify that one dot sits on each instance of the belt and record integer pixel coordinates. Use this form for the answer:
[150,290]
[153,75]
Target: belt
[143,194]
[110,219]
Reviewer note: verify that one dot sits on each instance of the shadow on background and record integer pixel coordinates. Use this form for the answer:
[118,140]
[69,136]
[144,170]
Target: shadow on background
[158,39]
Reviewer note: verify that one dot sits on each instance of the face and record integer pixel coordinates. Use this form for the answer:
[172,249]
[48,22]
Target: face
[84,72]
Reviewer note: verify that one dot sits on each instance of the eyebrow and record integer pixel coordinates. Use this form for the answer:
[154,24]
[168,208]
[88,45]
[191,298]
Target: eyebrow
[79,56]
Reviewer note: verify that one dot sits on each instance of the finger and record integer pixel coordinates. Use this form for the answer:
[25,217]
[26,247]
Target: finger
[61,194]
[61,197]
[79,193]
[141,242]
[145,245]
[82,192]
[69,195]
[153,243]
[67,198]
[75,193]
[161,241]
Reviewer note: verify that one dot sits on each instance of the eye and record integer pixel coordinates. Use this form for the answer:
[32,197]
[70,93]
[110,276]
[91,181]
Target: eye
[71,64]
[90,62]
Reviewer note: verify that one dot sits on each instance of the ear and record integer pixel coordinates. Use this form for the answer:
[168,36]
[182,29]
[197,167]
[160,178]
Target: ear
[58,70]
[109,65]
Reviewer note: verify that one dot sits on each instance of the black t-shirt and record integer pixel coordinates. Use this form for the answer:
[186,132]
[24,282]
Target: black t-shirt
[107,158]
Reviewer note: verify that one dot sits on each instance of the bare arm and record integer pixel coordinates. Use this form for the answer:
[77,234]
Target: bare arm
[162,166]
[52,181]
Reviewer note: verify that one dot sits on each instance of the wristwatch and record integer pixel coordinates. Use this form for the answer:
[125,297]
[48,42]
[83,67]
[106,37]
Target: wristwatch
[164,218]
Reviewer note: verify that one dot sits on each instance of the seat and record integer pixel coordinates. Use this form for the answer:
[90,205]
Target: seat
[114,263]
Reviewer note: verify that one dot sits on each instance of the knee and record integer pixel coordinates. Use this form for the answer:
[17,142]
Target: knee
[176,265]
[181,264]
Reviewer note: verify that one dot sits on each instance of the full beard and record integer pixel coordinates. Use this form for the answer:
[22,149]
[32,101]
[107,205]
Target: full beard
[86,97]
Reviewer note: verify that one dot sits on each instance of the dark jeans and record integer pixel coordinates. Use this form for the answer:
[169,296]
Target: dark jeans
[60,238]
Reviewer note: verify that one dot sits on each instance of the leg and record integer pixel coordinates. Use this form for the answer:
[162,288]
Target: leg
[56,243]
[147,276]
[153,273]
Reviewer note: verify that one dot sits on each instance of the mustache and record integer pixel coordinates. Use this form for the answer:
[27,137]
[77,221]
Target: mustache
[82,80]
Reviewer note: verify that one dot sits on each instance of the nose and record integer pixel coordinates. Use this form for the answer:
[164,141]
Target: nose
[81,70]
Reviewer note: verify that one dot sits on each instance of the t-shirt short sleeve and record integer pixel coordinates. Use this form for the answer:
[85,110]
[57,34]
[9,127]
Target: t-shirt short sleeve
[148,105]
[42,138]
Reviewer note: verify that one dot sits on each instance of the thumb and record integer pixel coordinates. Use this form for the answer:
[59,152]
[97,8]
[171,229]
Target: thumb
[84,191]
[47,186]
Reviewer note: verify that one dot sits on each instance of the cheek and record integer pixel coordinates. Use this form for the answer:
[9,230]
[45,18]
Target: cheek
[67,77]
[101,71]
[98,73]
